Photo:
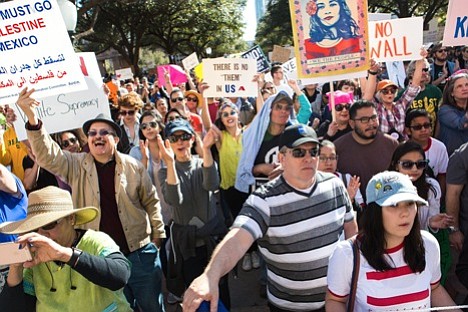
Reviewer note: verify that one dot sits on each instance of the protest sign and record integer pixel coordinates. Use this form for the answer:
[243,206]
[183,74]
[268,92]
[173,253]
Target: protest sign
[198,70]
[257,54]
[456,24]
[70,110]
[390,40]
[330,45]
[124,73]
[280,54]
[190,61]
[230,77]
[35,51]
[176,72]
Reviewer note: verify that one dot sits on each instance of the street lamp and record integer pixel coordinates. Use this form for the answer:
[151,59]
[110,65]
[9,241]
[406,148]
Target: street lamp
[208,51]
[69,14]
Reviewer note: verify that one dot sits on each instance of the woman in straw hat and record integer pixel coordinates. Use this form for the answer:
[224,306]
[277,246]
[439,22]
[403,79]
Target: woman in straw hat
[71,269]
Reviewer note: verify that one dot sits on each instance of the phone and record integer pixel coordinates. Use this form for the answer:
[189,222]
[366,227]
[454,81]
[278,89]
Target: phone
[11,254]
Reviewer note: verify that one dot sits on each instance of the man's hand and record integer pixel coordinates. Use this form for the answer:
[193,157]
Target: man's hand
[28,105]
[201,289]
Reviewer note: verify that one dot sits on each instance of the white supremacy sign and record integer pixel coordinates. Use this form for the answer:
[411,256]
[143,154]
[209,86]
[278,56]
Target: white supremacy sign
[230,77]
[35,51]
[70,110]
[390,40]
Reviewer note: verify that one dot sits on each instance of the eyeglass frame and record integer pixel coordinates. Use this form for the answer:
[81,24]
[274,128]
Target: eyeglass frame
[367,119]
[69,142]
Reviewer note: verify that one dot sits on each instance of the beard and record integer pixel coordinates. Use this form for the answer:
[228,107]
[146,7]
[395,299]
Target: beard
[366,136]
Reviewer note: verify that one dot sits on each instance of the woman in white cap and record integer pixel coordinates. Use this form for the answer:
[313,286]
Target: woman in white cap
[397,267]
[71,269]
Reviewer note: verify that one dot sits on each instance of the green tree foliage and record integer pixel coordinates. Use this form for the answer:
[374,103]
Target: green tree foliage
[173,26]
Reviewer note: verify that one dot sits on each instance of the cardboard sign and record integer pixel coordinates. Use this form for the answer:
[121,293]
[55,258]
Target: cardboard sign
[70,110]
[190,61]
[257,54]
[230,77]
[124,73]
[35,51]
[456,25]
[176,72]
[390,40]
[280,54]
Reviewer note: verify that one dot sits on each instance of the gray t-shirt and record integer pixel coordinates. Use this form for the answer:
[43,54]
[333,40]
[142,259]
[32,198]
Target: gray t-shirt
[457,173]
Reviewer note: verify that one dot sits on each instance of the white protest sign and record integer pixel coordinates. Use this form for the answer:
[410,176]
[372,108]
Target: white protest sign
[35,51]
[456,24]
[390,40]
[230,77]
[124,73]
[70,110]
[190,61]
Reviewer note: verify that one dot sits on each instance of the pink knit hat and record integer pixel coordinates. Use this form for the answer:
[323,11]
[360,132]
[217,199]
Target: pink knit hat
[341,98]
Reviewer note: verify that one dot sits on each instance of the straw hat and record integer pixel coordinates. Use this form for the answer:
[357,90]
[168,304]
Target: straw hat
[46,206]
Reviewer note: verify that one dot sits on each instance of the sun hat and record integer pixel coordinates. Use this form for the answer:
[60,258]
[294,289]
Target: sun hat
[178,124]
[46,206]
[102,118]
[297,134]
[389,188]
[196,94]
[385,84]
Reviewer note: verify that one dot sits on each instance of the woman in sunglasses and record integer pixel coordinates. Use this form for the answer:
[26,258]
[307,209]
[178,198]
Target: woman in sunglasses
[188,184]
[332,130]
[73,141]
[409,158]
[129,105]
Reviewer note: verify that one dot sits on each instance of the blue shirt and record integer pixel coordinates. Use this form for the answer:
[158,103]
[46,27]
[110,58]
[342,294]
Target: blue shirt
[12,208]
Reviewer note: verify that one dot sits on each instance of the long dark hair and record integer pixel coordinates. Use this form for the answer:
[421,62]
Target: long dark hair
[158,119]
[421,184]
[372,241]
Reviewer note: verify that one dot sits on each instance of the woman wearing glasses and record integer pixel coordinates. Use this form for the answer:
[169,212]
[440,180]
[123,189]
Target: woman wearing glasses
[129,105]
[188,183]
[332,130]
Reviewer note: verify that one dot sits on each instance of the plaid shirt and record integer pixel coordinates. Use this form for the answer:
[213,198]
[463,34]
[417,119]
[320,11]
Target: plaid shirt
[395,118]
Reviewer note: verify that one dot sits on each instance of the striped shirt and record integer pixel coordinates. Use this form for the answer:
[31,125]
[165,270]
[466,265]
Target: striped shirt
[297,231]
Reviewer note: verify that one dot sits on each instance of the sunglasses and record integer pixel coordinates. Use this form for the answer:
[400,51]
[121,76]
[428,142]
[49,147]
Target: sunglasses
[420,164]
[285,107]
[50,226]
[226,114]
[426,70]
[102,132]
[183,137]
[70,141]
[387,91]
[442,50]
[152,124]
[172,118]
[331,158]
[340,107]
[191,99]
[129,113]
[301,152]
[366,120]
[177,99]
[419,127]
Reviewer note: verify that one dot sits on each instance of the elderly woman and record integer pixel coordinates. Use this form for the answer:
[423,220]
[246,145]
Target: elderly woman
[71,269]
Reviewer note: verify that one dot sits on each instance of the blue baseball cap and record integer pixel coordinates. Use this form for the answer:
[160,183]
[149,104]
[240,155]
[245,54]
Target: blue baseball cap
[389,188]
[178,124]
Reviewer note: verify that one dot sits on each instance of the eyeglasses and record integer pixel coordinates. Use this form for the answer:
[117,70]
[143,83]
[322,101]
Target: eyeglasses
[285,107]
[70,141]
[331,158]
[50,226]
[340,107]
[420,164]
[102,132]
[152,124]
[226,114]
[191,99]
[426,70]
[301,152]
[366,120]
[183,137]
[387,91]
[442,50]
[268,88]
[177,99]
[129,113]
[419,127]
[172,118]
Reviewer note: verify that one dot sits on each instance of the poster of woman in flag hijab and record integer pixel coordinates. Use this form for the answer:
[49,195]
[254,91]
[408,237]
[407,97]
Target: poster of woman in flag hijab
[330,36]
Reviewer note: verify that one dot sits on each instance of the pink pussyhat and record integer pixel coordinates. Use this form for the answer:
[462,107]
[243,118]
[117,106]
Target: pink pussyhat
[341,98]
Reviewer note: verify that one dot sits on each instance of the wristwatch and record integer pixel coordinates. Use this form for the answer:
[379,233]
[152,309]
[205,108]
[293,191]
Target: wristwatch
[453,229]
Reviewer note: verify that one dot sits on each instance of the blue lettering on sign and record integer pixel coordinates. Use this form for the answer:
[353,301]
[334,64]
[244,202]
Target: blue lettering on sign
[230,88]
[17,43]
[460,27]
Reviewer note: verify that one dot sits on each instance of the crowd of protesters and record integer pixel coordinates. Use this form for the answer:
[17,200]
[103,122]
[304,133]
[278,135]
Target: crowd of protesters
[271,183]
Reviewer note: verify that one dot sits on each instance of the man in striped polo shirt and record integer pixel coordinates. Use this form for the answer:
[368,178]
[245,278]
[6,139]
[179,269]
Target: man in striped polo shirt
[297,220]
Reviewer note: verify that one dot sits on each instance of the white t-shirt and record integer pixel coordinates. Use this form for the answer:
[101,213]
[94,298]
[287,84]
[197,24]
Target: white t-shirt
[437,154]
[395,290]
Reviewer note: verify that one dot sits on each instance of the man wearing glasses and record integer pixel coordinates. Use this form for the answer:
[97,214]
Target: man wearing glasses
[442,68]
[365,151]
[121,189]
[296,219]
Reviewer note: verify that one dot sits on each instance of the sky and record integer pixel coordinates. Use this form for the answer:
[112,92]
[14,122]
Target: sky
[250,21]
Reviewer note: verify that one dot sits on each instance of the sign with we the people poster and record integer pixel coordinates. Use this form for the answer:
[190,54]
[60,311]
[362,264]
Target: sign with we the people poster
[330,37]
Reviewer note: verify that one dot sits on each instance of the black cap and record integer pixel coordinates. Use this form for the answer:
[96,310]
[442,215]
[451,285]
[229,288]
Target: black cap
[178,125]
[297,134]
[102,118]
